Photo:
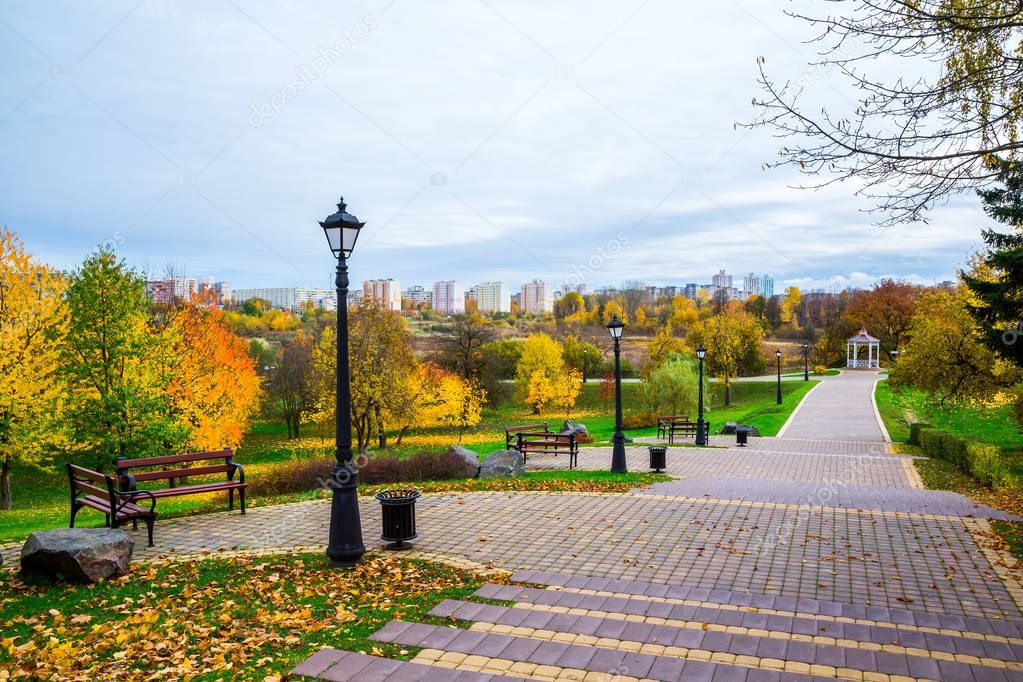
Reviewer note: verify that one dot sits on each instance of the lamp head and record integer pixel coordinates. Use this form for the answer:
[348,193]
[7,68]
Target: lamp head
[615,327]
[701,352]
[342,230]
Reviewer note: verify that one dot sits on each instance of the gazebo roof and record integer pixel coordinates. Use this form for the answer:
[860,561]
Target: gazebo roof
[863,337]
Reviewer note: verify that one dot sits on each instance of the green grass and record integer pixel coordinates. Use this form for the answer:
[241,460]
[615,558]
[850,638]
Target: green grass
[202,618]
[41,498]
[980,423]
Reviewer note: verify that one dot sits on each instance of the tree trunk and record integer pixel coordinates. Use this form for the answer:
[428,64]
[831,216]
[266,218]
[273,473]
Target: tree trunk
[381,435]
[728,393]
[5,483]
[401,434]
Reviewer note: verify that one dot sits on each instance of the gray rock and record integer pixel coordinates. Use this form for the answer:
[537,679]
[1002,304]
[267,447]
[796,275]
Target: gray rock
[503,463]
[79,554]
[570,427]
[472,460]
[751,431]
[729,429]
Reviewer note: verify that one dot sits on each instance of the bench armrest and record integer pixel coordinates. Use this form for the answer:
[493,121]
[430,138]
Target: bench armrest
[132,494]
[241,471]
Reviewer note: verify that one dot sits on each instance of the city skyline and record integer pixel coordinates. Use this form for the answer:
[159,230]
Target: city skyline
[550,157]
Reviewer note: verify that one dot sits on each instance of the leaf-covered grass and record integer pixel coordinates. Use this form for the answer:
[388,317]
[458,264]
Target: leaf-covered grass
[980,423]
[241,618]
[41,498]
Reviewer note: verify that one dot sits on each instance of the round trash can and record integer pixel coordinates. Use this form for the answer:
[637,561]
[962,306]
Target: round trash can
[398,514]
[658,457]
[741,436]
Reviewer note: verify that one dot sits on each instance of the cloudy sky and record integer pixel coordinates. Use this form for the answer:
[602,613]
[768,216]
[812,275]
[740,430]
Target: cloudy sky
[478,139]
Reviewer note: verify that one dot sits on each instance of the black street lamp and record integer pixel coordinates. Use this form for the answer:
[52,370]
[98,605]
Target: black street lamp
[806,362]
[344,547]
[701,426]
[777,354]
[618,465]
[585,356]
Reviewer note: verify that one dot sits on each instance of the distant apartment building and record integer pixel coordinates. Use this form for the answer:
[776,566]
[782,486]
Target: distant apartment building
[417,297]
[386,292]
[767,286]
[173,289]
[290,298]
[492,297]
[448,297]
[582,289]
[537,297]
[161,291]
[751,284]
[722,280]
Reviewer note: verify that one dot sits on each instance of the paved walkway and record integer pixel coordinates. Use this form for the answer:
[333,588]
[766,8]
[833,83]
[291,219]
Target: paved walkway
[840,409]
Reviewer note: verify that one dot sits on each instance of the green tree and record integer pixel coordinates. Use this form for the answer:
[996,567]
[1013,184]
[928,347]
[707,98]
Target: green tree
[663,346]
[946,355]
[675,385]
[290,388]
[118,404]
[33,320]
[996,280]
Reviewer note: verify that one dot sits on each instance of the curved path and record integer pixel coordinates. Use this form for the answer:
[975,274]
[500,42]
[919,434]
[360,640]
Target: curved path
[840,408]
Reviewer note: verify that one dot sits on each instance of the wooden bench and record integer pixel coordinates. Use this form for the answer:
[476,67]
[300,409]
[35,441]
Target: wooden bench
[545,442]
[684,428]
[511,441]
[92,489]
[664,423]
[175,468]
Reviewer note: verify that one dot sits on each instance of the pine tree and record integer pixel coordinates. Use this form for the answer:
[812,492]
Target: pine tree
[996,281]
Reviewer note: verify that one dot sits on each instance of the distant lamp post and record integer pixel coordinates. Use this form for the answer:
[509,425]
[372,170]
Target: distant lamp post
[894,354]
[585,357]
[806,362]
[777,354]
[344,546]
[701,426]
[618,465]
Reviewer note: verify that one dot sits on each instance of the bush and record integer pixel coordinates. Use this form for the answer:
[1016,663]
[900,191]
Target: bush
[297,476]
[639,420]
[914,433]
[988,464]
[422,466]
[820,370]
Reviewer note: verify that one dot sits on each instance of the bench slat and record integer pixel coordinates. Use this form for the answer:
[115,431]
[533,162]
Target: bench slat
[174,459]
[181,473]
[197,489]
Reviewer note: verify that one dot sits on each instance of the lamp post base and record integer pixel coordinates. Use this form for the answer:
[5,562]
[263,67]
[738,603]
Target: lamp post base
[618,463]
[701,432]
[344,547]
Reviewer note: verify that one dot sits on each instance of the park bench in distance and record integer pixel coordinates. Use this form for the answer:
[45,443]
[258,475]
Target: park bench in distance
[684,428]
[511,441]
[664,423]
[545,442]
[92,489]
[132,471]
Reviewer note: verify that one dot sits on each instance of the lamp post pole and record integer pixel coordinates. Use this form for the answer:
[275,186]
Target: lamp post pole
[586,356]
[618,463]
[344,545]
[701,426]
[777,354]
[806,362]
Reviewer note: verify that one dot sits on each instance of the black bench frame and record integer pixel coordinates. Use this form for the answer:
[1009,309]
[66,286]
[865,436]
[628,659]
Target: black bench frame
[146,471]
[545,442]
[98,491]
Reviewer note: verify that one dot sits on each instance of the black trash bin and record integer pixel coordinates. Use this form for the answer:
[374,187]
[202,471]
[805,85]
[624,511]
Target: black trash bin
[658,457]
[741,436]
[398,513]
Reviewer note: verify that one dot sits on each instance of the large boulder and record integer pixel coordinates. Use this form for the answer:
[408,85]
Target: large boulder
[751,431]
[472,460]
[570,427]
[79,554]
[729,429]
[503,463]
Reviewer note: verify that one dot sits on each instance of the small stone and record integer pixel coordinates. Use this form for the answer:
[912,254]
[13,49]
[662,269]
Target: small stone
[472,460]
[77,554]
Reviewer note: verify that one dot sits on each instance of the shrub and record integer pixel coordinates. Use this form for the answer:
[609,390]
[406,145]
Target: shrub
[988,464]
[820,370]
[914,433]
[639,420]
[297,476]
[422,466]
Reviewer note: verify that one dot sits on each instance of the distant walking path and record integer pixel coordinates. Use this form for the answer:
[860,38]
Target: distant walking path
[841,409]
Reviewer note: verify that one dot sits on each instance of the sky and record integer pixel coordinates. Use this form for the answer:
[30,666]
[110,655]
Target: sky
[575,142]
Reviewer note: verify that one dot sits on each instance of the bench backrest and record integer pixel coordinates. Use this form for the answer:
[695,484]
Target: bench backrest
[88,482]
[668,419]
[526,427]
[527,437]
[166,462]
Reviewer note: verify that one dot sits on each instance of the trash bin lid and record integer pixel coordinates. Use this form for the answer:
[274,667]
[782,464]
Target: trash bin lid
[402,495]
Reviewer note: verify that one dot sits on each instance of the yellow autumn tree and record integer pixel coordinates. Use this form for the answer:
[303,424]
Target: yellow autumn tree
[33,321]
[542,377]
[215,388]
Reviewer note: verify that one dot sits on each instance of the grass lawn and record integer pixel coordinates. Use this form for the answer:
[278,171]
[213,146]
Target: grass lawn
[984,424]
[41,498]
[202,620]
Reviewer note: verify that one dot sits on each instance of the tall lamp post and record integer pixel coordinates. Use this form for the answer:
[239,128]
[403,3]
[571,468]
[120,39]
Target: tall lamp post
[777,354]
[618,465]
[701,426]
[344,547]
[806,362]
[585,357]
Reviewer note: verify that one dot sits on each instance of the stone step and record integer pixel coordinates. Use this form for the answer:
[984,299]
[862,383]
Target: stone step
[548,660]
[335,665]
[689,639]
[748,620]
[637,590]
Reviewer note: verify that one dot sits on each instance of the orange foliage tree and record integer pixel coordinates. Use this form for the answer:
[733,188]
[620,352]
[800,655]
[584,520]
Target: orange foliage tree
[215,389]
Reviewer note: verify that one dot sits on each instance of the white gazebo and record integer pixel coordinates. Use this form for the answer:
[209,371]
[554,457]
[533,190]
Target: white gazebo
[852,351]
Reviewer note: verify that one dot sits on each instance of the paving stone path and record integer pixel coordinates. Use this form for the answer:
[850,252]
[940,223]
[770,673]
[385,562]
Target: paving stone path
[841,409]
